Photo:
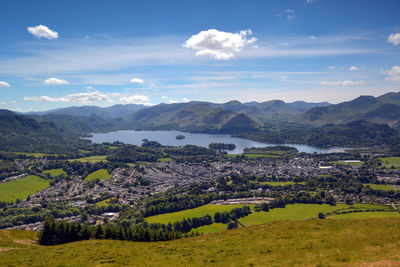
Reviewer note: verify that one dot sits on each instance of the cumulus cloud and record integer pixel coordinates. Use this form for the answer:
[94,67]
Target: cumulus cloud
[393,74]
[135,99]
[353,68]
[42,31]
[55,81]
[4,84]
[218,44]
[81,98]
[94,97]
[137,80]
[394,38]
[185,100]
[342,83]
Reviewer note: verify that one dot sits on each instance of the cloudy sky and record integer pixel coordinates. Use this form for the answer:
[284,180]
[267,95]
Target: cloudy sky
[71,53]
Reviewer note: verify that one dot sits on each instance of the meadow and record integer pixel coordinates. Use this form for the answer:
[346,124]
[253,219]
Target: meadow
[101,174]
[91,159]
[384,187]
[391,161]
[22,188]
[55,172]
[190,213]
[372,242]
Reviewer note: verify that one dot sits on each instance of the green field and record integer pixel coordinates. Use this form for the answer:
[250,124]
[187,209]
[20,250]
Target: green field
[101,174]
[384,187]
[190,213]
[36,155]
[91,159]
[212,228]
[164,159]
[301,212]
[363,215]
[360,242]
[346,163]
[22,188]
[391,161]
[55,172]
[105,202]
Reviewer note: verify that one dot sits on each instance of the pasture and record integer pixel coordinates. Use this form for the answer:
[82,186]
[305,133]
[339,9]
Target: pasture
[91,159]
[391,161]
[384,187]
[190,213]
[22,188]
[55,172]
[101,174]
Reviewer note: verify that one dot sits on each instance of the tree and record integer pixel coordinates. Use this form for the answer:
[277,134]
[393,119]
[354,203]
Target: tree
[321,215]
[232,225]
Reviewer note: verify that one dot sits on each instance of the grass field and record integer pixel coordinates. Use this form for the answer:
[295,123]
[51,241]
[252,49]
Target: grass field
[55,172]
[36,155]
[190,213]
[22,188]
[212,228]
[92,159]
[384,187]
[391,161]
[17,239]
[105,202]
[361,242]
[101,174]
[164,159]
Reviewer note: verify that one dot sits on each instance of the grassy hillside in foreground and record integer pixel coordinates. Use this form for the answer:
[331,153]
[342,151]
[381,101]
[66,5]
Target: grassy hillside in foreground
[22,188]
[360,242]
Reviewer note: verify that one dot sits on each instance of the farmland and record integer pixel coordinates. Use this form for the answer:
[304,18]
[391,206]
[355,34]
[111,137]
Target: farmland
[22,188]
[91,159]
[391,161]
[190,213]
[101,174]
[310,242]
[381,187]
[55,172]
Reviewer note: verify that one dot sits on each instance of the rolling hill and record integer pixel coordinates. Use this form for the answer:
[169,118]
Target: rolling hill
[383,109]
[25,133]
[330,242]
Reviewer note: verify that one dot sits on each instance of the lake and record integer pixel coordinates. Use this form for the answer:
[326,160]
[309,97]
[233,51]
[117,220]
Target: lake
[168,138]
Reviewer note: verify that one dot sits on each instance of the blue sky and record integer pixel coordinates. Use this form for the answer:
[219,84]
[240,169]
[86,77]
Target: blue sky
[72,53]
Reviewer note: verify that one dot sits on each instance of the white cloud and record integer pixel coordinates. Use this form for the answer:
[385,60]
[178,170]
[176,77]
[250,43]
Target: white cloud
[42,31]
[309,1]
[313,37]
[394,38]
[137,80]
[4,84]
[219,44]
[393,74]
[290,14]
[353,68]
[55,81]
[135,99]
[81,98]
[185,100]
[331,67]
[342,83]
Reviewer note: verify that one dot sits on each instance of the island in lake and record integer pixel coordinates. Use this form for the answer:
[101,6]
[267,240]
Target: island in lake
[180,137]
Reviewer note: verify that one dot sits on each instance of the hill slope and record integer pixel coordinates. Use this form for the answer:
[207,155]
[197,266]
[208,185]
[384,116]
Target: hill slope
[24,133]
[191,117]
[330,242]
[383,109]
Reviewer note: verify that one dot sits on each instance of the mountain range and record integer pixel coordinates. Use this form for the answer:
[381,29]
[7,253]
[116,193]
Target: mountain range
[313,123]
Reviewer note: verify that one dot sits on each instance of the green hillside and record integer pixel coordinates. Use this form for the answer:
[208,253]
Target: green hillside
[22,188]
[384,109]
[329,242]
